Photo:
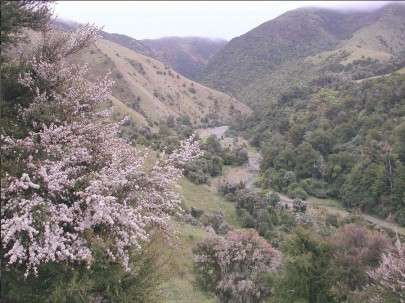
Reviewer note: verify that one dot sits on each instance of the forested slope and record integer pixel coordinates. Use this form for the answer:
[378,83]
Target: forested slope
[345,142]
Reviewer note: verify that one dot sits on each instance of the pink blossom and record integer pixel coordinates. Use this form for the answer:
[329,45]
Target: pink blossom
[79,181]
[391,272]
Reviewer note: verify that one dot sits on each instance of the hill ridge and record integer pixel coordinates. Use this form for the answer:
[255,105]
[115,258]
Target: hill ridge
[273,55]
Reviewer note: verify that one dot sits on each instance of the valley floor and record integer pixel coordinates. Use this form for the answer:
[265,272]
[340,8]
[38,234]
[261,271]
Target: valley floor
[249,172]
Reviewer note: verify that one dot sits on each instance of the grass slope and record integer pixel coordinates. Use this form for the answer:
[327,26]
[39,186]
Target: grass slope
[180,287]
[152,89]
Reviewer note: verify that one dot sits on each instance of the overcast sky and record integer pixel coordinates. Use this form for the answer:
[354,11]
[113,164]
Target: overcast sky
[211,19]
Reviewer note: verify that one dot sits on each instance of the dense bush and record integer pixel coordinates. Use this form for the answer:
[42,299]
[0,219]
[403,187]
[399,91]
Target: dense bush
[355,251]
[237,268]
[103,280]
[257,210]
[304,276]
[344,141]
[299,205]
[215,156]
[334,267]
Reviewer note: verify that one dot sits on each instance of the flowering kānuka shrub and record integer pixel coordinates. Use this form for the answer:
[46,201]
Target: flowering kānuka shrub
[71,183]
[390,275]
[237,268]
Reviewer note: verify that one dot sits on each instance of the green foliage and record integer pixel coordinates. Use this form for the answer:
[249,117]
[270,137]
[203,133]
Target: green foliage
[355,251]
[241,155]
[17,15]
[196,212]
[215,156]
[273,198]
[299,205]
[344,142]
[329,268]
[102,280]
[247,219]
[260,211]
[10,90]
[184,120]
[298,192]
[264,63]
[209,277]
[305,276]
[202,169]
[215,220]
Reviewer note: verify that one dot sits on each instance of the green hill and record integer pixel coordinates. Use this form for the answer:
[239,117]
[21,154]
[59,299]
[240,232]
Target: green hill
[309,45]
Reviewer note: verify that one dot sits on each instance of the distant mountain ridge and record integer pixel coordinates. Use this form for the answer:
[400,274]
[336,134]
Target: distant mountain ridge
[284,51]
[130,43]
[150,90]
[188,55]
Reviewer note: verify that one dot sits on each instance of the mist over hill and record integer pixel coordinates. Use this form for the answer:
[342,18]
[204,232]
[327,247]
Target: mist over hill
[188,55]
[309,44]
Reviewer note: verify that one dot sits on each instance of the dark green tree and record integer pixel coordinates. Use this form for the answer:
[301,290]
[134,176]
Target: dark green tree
[19,15]
[305,276]
[306,159]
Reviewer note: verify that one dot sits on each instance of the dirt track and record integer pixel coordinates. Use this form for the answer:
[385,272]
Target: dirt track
[217,131]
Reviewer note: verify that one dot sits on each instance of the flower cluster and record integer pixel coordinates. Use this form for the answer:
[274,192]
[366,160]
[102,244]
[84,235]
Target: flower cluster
[59,85]
[391,272]
[237,267]
[76,183]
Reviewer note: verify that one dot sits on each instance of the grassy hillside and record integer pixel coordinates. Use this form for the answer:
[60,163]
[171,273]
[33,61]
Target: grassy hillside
[309,45]
[187,55]
[150,91]
[128,42]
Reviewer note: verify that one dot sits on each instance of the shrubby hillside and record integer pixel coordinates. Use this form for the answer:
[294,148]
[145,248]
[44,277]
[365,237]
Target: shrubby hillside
[149,90]
[154,90]
[309,45]
[328,92]
[345,142]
